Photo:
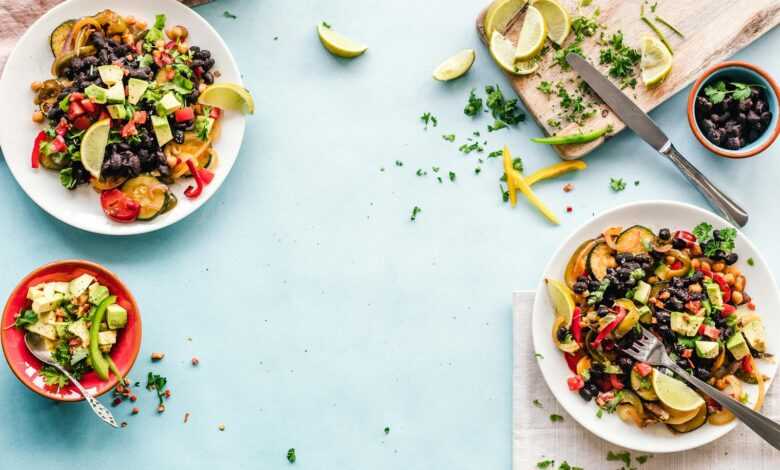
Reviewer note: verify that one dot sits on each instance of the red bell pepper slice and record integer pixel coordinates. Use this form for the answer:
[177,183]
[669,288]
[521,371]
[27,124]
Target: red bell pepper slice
[184,114]
[615,382]
[36,151]
[117,206]
[747,364]
[193,192]
[724,287]
[572,360]
[576,325]
[206,175]
[575,383]
[608,329]
[58,144]
[676,265]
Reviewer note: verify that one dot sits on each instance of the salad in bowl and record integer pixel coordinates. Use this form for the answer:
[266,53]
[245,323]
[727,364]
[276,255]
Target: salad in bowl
[685,287]
[132,108]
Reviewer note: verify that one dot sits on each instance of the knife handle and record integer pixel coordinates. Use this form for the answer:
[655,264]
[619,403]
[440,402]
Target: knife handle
[717,199]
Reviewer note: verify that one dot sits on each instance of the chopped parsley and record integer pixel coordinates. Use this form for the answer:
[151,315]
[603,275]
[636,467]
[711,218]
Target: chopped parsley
[227,14]
[636,182]
[556,418]
[399,163]
[537,403]
[327,25]
[435,169]
[448,137]
[712,241]
[157,383]
[504,193]
[421,172]
[51,376]
[624,457]
[429,119]
[468,148]
[495,154]
[573,105]
[504,111]
[416,210]
[545,463]
[291,455]
[750,262]
[26,318]
[474,104]
[582,27]
[452,176]
[545,87]
[617,185]
[387,430]
[622,60]
[477,170]
[538,356]
[642,459]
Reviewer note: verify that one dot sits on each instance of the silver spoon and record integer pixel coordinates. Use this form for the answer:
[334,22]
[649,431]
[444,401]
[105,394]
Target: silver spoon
[38,349]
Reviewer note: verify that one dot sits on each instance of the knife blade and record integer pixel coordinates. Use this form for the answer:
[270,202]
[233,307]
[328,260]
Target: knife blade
[628,112]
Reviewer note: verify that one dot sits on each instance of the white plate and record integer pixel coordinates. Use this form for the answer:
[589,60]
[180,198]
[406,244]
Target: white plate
[31,61]
[656,215]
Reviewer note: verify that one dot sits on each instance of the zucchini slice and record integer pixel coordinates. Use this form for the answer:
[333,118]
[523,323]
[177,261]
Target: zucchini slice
[635,240]
[695,423]
[647,393]
[170,202]
[600,258]
[60,38]
[149,192]
[577,263]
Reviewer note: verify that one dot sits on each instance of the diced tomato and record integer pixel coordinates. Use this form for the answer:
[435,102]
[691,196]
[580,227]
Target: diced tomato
[62,127]
[615,382]
[676,265]
[571,360]
[643,369]
[58,144]
[693,306]
[747,364]
[709,331]
[184,114]
[728,309]
[76,96]
[724,287]
[104,115]
[139,117]
[575,383]
[215,113]
[117,206]
[75,110]
[687,353]
[82,122]
[88,106]
[751,306]
[604,385]
[128,130]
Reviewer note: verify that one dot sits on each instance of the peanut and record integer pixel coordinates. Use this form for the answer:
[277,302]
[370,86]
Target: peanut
[695,263]
[737,298]
[729,278]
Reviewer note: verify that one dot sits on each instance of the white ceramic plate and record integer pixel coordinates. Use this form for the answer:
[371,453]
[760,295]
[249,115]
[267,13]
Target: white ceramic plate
[31,61]
[656,215]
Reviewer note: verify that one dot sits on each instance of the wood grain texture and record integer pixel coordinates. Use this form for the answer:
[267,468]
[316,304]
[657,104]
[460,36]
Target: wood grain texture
[714,30]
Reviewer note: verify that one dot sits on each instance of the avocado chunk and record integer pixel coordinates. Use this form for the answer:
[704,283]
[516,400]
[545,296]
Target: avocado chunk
[707,349]
[136,89]
[642,292]
[97,94]
[44,329]
[47,302]
[106,337]
[116,316]
[111,74]
[79,354]
[737,345]
[79,285]
[117,111]
[645,314]
[97,293]
[79,328]
[162,130]
[714,294]
[116,94]
[686,324]
[755,335]
[168,104]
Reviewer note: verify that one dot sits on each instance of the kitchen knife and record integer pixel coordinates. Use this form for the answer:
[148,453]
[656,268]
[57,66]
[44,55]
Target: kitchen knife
[644,127]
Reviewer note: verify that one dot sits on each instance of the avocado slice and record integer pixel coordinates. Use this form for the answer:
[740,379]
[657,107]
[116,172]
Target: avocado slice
[111,74]
[755,335]
[645,314]
[97,94]
[162,130]
[79,285]
[116,316]
[707,349]
[686,324]
[737,345]
[714,294]
[117,111]
[116,94]
[44,329]
[97,293]
[136,89]
[642,292]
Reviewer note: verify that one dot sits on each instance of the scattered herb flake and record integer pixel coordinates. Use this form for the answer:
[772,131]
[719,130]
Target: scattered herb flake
[291,455]
[421,172]
[503,110]
[387,430]
[227,14]
[617,185]
[624,457]
[556,418]
[537,403]
[416,210]
[327,25]
[545,87]
[452,176]
[399,163]
[474,104]
[545,464]
[751,262]
[538,356]
[429,119]
[448,137]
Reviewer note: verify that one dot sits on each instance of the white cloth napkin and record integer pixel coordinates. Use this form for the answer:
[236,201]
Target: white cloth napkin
[535,438]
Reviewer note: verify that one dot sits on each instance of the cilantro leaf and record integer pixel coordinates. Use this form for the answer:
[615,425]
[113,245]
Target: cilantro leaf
[26,318]
[416,210]
[474,105]
[556,418]
[291,455]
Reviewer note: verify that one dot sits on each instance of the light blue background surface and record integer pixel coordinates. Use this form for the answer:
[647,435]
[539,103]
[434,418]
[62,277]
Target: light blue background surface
[319,312]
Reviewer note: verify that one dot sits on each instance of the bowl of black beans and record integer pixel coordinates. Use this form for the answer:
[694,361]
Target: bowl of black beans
[733,110]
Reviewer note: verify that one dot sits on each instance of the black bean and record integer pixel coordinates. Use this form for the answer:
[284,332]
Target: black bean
[735,143]
[719,255]
[731,258]
[760,106]
[679,243]
[766,116]
[561,334]
[703,105]
[702,373]
[208,78]
[753,135]
[745,105]
[178,136]
[586,394]
[579,287]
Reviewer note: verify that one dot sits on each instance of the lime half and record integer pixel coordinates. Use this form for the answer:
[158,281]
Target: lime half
[503,51]
[228,96]
[456,66]
[532,35]
[656,60]
[557,19]
[500,13]
[675,394]
[561,298]
[93,146]
[338,44]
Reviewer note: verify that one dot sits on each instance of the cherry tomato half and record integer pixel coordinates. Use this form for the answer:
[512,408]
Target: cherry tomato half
[118,206]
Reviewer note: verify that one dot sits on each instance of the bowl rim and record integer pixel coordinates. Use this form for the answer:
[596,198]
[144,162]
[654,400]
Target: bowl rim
[136,340]
[720,151]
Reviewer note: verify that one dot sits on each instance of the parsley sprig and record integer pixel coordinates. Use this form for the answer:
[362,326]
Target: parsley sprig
[712,241]
[718,91]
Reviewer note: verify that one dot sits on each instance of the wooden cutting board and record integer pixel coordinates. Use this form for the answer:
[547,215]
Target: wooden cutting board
[713,29]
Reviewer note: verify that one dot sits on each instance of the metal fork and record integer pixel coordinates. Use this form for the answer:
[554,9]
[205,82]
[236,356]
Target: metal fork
[651,350]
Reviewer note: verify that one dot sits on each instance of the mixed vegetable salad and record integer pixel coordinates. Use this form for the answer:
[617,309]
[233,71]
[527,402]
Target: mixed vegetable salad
[124,113]
[686,288]
[79,321]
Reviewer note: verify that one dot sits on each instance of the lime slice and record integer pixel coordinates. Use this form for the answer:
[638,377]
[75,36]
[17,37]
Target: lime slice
[228,96]
[338,44]
[503,51]
[456,66]
[557,19]
[656,60]
[532,35]
[500,14]
[93,146]
[675,394]
[561,298]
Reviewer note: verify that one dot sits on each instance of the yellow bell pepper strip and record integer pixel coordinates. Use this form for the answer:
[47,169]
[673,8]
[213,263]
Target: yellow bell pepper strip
[515,181]
[554,170]
[99,363]
[574,138]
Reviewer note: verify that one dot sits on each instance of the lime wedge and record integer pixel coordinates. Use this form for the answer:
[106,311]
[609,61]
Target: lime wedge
[93,146]
[562,299]
[557,19]
[338,44]
[503,51]
[456,66]
[228,96]
[675,394]
[656,60]
[500,14]
[532,35]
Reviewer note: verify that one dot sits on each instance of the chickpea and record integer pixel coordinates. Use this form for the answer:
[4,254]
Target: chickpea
[653,279]
[117,38]
[140,24]
[130,20]
[696,250]
[670,260]
[739,283]
[695,263]
[737,298]
[694,288]
[664,295]
[733,270]
[129,39]
[719,266]
[37,116]
[35,86]
[729,278]
[183,48]
[705,266]
[177,33]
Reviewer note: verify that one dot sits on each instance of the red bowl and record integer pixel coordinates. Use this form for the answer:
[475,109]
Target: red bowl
[27,368]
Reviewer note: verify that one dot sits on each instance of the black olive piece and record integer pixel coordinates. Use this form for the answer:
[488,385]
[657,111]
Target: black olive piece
[602,311]
[702,373]
[178,136]
[579,287]
[731,258]
[664,233]
[194,49]
[585,394]
[562,332]
[715,136]
[666,333]
[679,243]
